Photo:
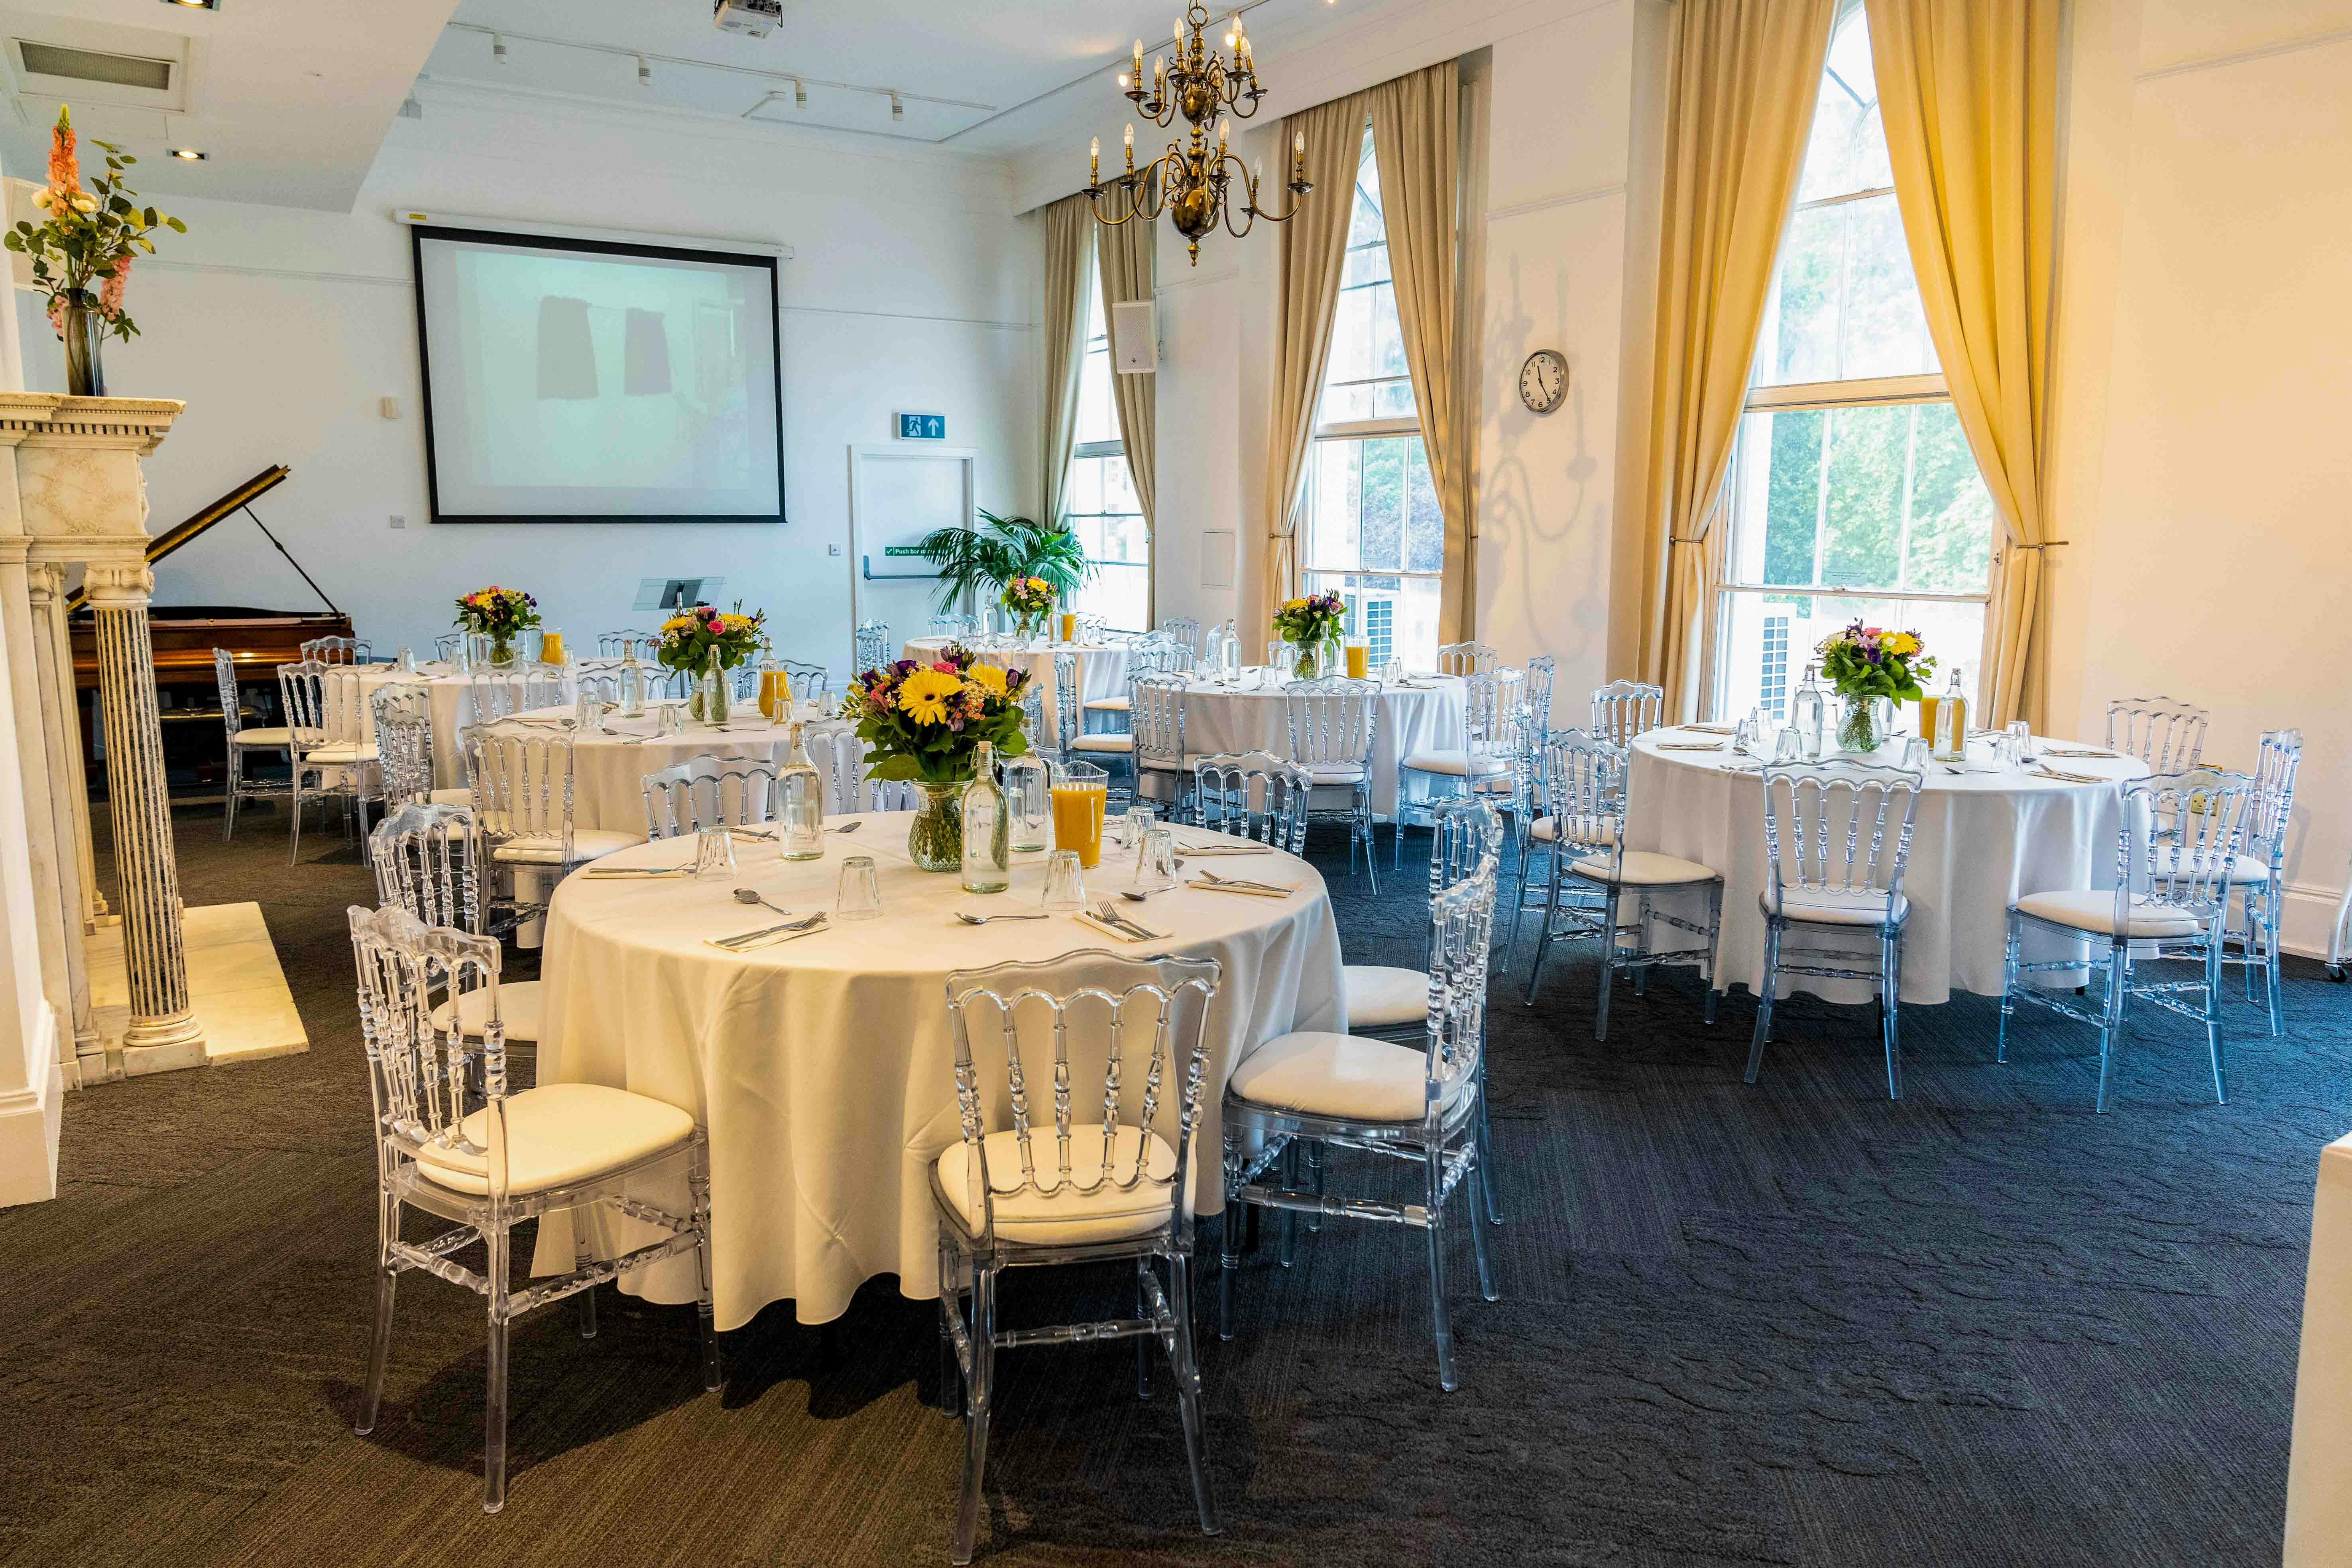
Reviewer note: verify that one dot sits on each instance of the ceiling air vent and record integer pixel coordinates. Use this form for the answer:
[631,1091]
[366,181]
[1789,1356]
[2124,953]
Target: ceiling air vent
[91,65]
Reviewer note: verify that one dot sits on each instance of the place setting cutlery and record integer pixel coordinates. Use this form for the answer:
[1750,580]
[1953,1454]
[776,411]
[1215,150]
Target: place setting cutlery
[744,942]
[968,918]
[638,871]
[1106,917]
[2060,774]
[1209,882]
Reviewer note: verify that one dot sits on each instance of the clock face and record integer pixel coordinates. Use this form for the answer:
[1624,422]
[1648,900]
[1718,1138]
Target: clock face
[1543,380]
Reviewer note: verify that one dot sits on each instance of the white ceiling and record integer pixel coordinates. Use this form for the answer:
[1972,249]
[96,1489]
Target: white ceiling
[290,99]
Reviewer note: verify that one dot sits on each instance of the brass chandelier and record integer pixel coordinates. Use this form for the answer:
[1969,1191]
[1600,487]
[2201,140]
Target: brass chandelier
[1193,182]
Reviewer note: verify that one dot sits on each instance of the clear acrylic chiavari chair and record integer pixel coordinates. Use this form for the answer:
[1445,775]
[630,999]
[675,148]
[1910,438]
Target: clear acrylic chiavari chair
[839,757]
[1155,723]
[1184,632]
[500,694]
[1624,709]
[1448,770]
[427,860]
[1335,727]
[811,682]
[401,714]
[1113,1186]
[708,792]
[337,650]
[1590,873]
[2181,833]
[522,779]
[447,645]
[326,747]
[1466,658]
[1837,838]
[2258,875]
[1420,1106]
[1254,794]
[1110,749]
[872,645]
[2166,735]
[572,1148]
[617,645]
[245,741]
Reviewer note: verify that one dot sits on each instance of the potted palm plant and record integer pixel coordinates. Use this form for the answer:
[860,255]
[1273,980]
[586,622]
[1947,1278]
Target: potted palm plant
[1003,549]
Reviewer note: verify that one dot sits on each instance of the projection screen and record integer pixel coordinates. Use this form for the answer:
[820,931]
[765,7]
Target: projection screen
[583,381]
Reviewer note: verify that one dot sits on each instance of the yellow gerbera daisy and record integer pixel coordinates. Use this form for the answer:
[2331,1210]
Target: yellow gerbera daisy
[924,696]
[988,677]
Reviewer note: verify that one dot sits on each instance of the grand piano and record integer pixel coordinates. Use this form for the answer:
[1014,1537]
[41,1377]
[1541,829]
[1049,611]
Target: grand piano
[185,634]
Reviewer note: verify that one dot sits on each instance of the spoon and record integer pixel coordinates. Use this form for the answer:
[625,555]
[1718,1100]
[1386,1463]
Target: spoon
[847,827]
[752,896]
[971,920]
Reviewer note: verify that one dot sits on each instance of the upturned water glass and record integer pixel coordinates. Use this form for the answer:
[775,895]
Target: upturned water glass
[860,898]
[1065,882]
[714,852]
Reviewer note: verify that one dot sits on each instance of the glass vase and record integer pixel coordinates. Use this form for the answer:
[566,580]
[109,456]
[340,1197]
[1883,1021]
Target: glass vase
[502,653]
[85,335]
[1858,726]
[935,839]
[1318,657]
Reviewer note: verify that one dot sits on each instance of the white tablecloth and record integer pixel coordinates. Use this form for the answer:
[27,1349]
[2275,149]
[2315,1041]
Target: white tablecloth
[1102,672]
[823,1067]
[1426,716]
[2319,1469]
[349,714]
[1982,840]
[608,772]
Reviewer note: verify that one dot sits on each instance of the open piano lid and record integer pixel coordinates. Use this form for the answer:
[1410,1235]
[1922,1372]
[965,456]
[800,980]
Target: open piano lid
[239,499]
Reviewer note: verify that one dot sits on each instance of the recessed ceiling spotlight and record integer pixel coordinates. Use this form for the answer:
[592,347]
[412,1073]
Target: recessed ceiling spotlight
[189,154]
[195,4]
[644,72]
[499,47]
[898,109]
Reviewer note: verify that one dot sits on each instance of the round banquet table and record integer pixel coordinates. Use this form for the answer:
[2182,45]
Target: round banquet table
[1424,716]
[1102,670]
[823,1067]
[1982,840]
[349,712]
[608,772]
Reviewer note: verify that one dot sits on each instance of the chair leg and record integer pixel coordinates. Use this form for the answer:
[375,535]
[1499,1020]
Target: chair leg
[294,818]
[1640,944]
[1229,1245]
[1480,1244]
[1187,1365]
[1764,997]
[2111,1031]
[1435,1184]
[1608,959]
[229,808]
[951,1300]
[1142,1341]
[1890,966]
[697,1182]
[494,1403]
[980,1393]
[1286,1248]
[2213,1018]
[2270,901]
[585,1303]
[387,1279]
[1315,1185]
[1371,850]
[2008,991]
[1486,1136]
[1544,938]
[1714,936]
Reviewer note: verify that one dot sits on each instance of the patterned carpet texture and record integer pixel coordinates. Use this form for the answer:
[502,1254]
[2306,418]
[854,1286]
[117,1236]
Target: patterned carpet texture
[1787,1324]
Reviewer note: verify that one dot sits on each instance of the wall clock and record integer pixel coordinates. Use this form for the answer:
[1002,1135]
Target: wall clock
[1543,380]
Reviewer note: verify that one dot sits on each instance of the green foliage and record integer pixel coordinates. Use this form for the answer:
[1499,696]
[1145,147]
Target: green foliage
[983,560]
[89,234]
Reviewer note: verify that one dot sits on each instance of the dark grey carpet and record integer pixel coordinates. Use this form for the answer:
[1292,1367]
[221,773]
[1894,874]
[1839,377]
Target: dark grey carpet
[1787,1324]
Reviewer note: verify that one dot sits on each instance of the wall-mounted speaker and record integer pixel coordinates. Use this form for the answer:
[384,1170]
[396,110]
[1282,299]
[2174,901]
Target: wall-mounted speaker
[1135,338]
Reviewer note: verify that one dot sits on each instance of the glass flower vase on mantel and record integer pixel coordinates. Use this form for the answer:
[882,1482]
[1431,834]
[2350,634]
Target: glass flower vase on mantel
[1867,666]
[923,722]
[1311,624]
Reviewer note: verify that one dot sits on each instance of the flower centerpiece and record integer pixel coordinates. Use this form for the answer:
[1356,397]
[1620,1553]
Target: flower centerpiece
[694,638]
[920,723]
[81,253]
[1312,624]
[1030,599]
[1866,664]
[498,614]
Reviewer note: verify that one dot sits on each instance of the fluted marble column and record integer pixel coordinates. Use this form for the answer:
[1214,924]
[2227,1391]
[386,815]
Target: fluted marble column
[82,905]
[164,1028]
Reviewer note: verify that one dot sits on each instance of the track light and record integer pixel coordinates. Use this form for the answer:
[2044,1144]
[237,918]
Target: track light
[189,154]
[898,109]
[644,72]
[410,108]
[800,93]
[499,47]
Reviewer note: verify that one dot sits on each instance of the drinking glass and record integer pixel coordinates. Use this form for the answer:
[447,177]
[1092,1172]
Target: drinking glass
[1155,863]
[1065,882]
[2019,738]
[670,719]
[588,714]
[860,898]
[1393,673]
[551,649]
[1916,754]
[1789,747]
[1135,824]
[1743,740]
[1081,791]
[714,851]
[407,662]
[1359,651]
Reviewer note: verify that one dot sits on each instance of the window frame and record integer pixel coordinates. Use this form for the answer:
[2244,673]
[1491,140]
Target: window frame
[1113,446]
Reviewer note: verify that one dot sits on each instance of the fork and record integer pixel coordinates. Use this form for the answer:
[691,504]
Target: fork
[743,937]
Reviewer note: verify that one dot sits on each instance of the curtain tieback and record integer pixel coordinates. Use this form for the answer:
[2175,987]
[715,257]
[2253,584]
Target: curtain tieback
[1700,540]
[2045,544]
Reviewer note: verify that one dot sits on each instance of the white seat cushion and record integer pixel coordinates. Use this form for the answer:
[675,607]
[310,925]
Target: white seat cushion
[1123,744]
[1343,1076]
[1591,830]
[1644,869]
[1161,765]
[1823,907]
[1065,1217]
[279,736]
[518,1009]
[451,797]
[1381,998]
[2247,869]
[340,754]
[2096,911]
[547,849]
[558,1134]
[1106,705]
[1455,762]
[1335,772]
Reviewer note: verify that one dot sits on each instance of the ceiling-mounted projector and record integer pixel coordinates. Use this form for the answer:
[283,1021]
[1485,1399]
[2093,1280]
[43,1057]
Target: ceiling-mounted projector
[753,16]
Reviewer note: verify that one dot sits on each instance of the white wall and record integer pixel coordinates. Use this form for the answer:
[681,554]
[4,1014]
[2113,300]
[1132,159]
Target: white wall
[911,289]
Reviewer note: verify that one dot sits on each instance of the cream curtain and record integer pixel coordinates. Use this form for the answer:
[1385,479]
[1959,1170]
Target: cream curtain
[1739,105]
[1124,256]
[1969,89]
[1415,123]
[1069,241]
[1312,247]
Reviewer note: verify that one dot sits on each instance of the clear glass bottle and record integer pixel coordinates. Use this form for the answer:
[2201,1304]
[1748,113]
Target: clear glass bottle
[1232,650]
[1809,715]
[713,690]
[1952,723]
[1212,652]
[1027,797]
[631,681]
[987,861]
[800,805]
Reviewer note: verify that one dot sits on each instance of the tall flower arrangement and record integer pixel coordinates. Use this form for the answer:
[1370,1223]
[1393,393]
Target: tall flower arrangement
[1864,664]
[688,637]
[922,722]
[1312,624]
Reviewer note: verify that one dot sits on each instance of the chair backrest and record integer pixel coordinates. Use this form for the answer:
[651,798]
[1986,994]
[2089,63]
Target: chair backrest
[426,858]
[1536,702]
[708,792]
[2181,831]
[1624,709]
[1153,654]
[1481,711]
[418,1076]
[954,625]
[840,759]
[616,645]
[1827,827]
[1182,631]
[1093,630]
[1062,1021]
[1155,715]
[1462,836]
[337,650]
[2166,735]
[302,688]
[1584,791]
[1069,713]
[499,693]
[522,775]
[1465,657]
[811,682]
[605,685]
[446,646]
[1461,926]
[224,672]
[872,646]
[402,715]
[1254,794]
[2276,763]
[1333,720]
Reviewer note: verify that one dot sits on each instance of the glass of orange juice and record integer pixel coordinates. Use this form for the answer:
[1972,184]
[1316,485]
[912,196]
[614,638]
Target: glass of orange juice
[1081,791]
[1360,657]
[551,647]
[776,694]
[1069,626]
